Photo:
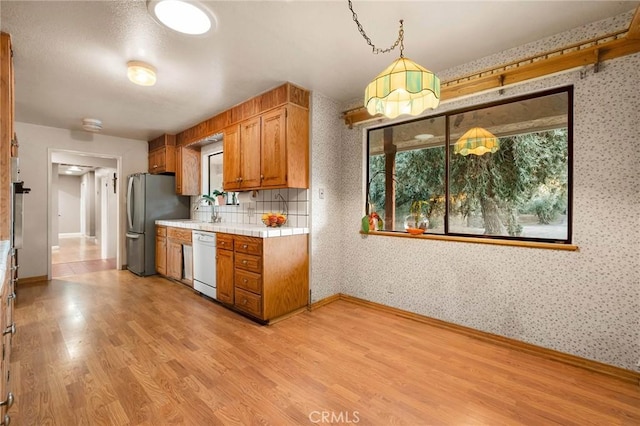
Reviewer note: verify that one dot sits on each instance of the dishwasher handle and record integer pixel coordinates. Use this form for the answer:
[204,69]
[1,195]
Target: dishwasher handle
[206,238]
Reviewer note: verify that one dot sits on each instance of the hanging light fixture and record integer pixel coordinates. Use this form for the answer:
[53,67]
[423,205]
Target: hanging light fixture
[141,73]
[404,87]
[477,141]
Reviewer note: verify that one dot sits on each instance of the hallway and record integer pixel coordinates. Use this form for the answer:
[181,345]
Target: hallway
[78,255]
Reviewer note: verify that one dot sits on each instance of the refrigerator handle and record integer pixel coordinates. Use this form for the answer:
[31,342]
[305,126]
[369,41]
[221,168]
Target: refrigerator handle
[129,200]
[133,236]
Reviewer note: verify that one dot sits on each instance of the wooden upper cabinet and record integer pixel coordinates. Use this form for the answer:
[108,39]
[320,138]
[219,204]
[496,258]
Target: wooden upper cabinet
[241,147]
[162,160]
[250,153]
[187,171]
[162,154]
[268,151]
[274,148]
[231,163]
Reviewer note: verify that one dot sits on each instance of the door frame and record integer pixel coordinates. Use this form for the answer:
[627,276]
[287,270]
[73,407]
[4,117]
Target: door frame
[50,152]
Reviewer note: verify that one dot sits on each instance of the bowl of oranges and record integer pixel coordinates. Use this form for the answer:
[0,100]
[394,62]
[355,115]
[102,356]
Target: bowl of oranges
[274,220]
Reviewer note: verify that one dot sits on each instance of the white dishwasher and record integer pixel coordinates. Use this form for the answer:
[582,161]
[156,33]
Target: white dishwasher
[204,262]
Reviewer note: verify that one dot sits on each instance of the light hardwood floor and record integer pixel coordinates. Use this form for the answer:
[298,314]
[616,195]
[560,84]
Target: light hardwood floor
[78,255]
[113,348]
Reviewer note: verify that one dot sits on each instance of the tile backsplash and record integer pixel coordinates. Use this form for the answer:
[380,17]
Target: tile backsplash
[296,200]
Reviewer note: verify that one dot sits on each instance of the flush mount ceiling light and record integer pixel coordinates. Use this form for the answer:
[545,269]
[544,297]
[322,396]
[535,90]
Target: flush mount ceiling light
[477,141]
[141,73]
[404,87]
[92,125]
[182,16]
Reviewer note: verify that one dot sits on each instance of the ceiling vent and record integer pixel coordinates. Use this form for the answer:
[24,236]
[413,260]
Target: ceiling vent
[92,125]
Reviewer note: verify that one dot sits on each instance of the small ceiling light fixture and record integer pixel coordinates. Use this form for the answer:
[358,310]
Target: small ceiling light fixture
[404,87]
[477,141]
[141,73]
[182,16]
[92,125]
[74,169]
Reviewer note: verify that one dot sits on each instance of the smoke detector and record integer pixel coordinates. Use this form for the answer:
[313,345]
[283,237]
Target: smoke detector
[92,125]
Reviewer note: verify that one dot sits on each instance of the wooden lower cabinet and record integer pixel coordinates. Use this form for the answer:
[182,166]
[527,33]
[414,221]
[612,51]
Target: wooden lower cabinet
[169,253]
[269,275]
[161,250]
[224,275]
[174,259]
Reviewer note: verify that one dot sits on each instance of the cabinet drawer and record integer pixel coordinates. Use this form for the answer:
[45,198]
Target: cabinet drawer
[161,231]
[248,262]
[248,302]
[224,241]
[179,234]
[248,281]
[248,245]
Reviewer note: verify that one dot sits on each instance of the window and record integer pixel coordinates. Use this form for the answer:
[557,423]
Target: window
[212,165]
[497,171]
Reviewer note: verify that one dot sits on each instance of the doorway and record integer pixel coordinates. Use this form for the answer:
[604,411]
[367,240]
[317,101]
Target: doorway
[83,213]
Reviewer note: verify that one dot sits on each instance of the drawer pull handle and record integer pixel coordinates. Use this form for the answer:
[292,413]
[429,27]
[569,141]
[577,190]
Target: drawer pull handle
[244,262]
[6,421]
[244,280]
[8,402]
[244,302]
[11,296]
[9,330]
[244,246]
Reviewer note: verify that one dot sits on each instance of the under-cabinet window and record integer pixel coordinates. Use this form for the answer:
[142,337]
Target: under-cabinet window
[501,170]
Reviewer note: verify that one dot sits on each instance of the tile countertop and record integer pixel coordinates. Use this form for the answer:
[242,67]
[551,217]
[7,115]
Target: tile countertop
[234,228]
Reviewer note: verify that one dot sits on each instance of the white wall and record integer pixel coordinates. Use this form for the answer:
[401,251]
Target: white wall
[54,205]
[585,303]
[35,143]
[88,195]
[68,204]
[106,212]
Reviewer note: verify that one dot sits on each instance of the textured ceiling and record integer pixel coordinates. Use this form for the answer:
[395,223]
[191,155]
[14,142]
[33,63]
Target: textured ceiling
[70,57]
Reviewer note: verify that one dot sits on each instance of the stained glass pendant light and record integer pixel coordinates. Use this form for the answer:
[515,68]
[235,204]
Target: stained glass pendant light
[477,141]
[404,87]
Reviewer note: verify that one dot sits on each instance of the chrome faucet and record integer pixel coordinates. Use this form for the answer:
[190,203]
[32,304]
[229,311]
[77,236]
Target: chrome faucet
[216,217]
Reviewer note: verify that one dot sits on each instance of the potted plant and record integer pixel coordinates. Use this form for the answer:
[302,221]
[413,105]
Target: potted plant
[220,196]
[416,221]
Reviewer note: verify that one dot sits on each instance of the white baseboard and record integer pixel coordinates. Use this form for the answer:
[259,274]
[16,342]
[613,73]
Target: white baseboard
[70,235]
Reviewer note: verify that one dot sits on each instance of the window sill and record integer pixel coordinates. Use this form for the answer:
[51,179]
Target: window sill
[476,240]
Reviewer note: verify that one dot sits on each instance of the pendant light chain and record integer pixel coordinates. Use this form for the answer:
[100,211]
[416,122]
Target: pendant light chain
[376,50]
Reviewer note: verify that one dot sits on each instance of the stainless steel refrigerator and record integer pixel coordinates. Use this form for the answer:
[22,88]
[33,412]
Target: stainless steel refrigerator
[149,198]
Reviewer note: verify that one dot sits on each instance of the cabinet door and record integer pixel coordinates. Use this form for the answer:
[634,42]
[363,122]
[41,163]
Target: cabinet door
[231,163]
[157,161]
[250,153]
[274,148]
[161,255]
[187,171]
[174,259]
[224,276]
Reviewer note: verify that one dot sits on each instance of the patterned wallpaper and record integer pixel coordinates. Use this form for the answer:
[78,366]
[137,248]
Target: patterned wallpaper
[326,214]
[585,303]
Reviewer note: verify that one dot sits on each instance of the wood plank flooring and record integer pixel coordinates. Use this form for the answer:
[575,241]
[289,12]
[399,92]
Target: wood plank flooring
[78,255]
[111,348]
